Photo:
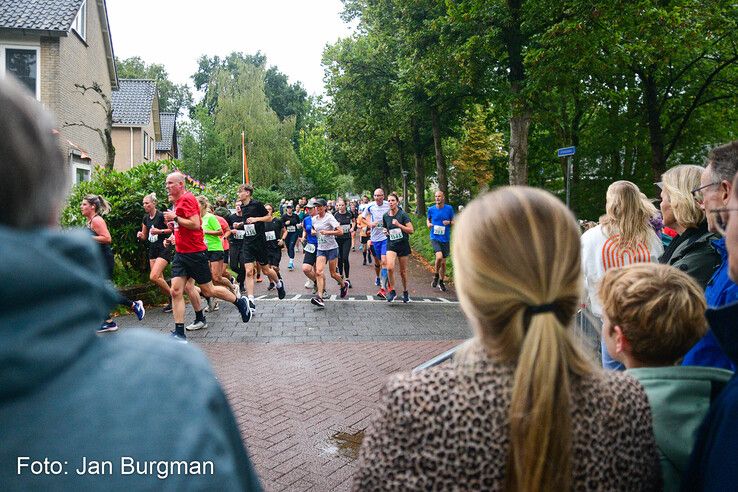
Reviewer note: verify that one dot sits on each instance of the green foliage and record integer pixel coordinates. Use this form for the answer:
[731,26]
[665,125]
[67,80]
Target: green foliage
[318,167]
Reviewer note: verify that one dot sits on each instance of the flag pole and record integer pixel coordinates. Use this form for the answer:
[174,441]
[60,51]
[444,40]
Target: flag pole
[243,158]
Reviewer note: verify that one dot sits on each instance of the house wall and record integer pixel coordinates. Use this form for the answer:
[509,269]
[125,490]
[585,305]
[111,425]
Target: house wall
[122,143]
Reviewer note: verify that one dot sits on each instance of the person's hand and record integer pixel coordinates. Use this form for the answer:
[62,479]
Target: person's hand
[139,235]
[250,220]
[395,222]
[169,215]
[236,225]
[314,232]
[384,230]
[280,243]
[154,231]
[322,233]
[446,222]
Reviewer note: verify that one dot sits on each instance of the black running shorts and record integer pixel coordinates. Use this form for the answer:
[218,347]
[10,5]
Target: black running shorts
[254,251]
[192,265]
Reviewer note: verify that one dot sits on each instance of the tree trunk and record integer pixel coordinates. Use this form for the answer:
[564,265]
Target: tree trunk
[440,161]
[520,119]
[419,172]
[518,162]
[655,131]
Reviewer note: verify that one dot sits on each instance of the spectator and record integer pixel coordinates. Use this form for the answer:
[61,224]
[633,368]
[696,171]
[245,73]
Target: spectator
[713,465]
[625,235]
[522,407]
[67,394]
[652,315]
[691,251]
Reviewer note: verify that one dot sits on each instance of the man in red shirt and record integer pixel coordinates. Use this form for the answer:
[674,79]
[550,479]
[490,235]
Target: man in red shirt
[190,260]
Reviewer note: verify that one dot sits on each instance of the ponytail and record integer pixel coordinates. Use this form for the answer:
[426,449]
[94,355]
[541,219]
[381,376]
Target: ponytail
[152,198]
[102,206]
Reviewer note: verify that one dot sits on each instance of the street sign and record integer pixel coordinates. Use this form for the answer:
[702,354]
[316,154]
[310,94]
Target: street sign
[566,151]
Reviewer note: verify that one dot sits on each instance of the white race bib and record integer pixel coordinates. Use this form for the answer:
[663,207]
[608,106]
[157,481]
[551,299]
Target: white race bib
[153,238]
[322,239]
[439,230]
[249,230]
[291,229]
[346,228]
[238,234]
[395,234]
[270,236]
[310,248]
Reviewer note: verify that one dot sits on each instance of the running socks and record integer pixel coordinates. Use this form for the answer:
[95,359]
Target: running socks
[199,316]
[179,329]
[385,277]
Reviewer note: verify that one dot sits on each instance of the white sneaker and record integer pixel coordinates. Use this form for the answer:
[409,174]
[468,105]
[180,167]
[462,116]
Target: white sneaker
[309,284]
[197,325]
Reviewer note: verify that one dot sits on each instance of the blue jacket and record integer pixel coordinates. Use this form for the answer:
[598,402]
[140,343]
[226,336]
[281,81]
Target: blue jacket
[720,291]
[69,395]
[713,464]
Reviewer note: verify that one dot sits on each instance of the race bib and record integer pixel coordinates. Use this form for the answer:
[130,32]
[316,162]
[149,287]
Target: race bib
[346,228]
[395,234]
[153,238]
[322,239]
[291,229]
[249,230]
[439,230]
[310,248]
[270,236]
[238,234]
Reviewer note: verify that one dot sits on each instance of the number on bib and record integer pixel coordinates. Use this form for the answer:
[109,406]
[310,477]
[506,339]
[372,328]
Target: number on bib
[346,228]
[270,236]
[310,248]
[153,238]
[395,234]
[291,229]
[249,230]
[322,239]
[238,234]
[439,230]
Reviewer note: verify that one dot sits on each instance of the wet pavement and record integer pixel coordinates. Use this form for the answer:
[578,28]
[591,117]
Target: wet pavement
[304,382]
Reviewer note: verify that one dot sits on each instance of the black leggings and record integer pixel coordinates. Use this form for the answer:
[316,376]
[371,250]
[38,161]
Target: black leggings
[235,262]
[344,249]
[291,240]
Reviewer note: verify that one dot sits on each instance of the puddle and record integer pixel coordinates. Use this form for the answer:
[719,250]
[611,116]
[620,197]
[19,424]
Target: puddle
[343,444]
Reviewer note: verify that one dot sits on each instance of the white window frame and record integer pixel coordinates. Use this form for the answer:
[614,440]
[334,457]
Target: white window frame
[34,47]
[146,148]
[77,164]
[80,21]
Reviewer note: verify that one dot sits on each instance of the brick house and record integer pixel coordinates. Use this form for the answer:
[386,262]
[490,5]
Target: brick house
[136,126]
[52,47]
[168,146]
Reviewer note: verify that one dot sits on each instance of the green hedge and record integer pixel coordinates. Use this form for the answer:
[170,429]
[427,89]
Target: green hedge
[420,242]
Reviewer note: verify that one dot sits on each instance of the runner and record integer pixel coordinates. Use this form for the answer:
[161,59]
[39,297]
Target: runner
[398,229]
[190,260]
[93,207]
[236,239]
[221,213]
[348,224]
[154,229]
[354,209]
[309,245]
[254,246]
[213,233]
[291,221]
[362,223]
[325,227]
[440,220]
[274,233]
[375,212]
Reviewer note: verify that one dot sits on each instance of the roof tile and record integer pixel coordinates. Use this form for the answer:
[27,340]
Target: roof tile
[132,102]
[41,15]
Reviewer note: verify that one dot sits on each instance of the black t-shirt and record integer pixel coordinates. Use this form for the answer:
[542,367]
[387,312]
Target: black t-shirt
[157,222]
[290,222]
[345,221]
[273,233]
[232,219]
[394,231]
[253,232]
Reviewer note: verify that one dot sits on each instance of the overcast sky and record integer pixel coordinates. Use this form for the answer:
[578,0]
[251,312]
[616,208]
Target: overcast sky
[291,33]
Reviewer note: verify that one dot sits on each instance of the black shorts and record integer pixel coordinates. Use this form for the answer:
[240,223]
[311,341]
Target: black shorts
[254,251]
[402,248]
[158,250]
[215,256]
[274,256]
[364,239]
[442,247]
[309,258]
[192,265]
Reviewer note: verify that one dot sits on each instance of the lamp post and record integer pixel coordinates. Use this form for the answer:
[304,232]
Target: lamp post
[404,190]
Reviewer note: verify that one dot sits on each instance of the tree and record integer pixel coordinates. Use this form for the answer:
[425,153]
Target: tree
[105,134]
[172,97]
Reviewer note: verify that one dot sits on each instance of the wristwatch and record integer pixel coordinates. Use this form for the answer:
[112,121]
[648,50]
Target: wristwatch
[176,218]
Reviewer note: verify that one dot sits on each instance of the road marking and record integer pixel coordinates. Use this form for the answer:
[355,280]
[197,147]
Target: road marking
[333,297]
[296,298]
[443,299]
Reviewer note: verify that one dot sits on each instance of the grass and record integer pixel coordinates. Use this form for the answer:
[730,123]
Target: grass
[420,242]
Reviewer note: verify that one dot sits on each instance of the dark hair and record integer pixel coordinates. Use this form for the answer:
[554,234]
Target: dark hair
[723,161]
[394,195]
[101,205]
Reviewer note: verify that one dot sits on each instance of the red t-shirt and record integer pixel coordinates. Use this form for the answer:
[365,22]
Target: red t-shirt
[225,228]
[188,240]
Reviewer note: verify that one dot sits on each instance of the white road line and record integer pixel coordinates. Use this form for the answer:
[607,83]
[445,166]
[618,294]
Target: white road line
[443,300]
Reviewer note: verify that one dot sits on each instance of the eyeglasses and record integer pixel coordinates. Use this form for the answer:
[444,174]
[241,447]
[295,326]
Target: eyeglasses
[697,192]
[721,218]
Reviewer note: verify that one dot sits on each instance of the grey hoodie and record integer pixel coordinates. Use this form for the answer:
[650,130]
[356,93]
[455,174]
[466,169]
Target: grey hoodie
[70,400]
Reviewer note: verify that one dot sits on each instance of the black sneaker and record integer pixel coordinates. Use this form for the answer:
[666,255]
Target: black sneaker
[107,326]
[243,307]
[434,284]
[252,306]
[391,296]
[272,285]
[177,337]
[442,286]
[344,289]
[167,308]
[281,293]
[317,301]
[405,297]
[364,264]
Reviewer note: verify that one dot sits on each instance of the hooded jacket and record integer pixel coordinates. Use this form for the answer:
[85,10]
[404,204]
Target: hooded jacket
[70,397]
[680,398]
[714,461]
[693,253]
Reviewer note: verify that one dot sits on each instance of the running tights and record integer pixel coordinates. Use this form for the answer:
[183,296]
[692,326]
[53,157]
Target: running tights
[291,240]
[344,249]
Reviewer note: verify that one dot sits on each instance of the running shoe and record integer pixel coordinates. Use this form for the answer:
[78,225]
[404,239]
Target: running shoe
[434,284]
[318,301]
[280,290]
[252,306]
[272,285]
[391,296]
[350,285]
[291,265]
[442,286]
[344,289]
[244,308]
[377,282]
[309,284]
[107,326]
[197,325]
[217,305]
[364,264]
[382,294]
[167,308]
[138,308]
[177,337]
[405,297]
[361,248]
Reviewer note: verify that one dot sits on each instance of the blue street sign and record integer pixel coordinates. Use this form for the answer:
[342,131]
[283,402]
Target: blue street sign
[567,151]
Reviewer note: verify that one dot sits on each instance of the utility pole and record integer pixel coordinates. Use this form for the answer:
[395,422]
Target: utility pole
[404,190]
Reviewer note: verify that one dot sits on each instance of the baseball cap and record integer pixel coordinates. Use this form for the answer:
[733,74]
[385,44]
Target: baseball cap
[310,203]
[320,202]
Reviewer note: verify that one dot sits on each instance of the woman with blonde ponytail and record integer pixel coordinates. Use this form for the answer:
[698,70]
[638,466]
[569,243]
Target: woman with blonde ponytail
[521,407]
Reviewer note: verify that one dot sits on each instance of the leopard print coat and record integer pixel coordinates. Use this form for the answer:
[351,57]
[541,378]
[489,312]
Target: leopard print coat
[447,429]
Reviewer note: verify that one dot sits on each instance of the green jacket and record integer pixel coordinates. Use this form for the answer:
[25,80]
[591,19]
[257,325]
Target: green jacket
[69,395]
[692,253]
[680,397]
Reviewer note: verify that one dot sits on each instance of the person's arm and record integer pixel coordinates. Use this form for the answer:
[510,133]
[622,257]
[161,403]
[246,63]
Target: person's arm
[212,232]
[143,233]
[193,223]
[100,228]
[428,222]
[407,227]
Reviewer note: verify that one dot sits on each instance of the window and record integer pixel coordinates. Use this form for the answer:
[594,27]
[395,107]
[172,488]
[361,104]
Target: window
[81,169]
[80,22]
[146,146]
[22,62]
